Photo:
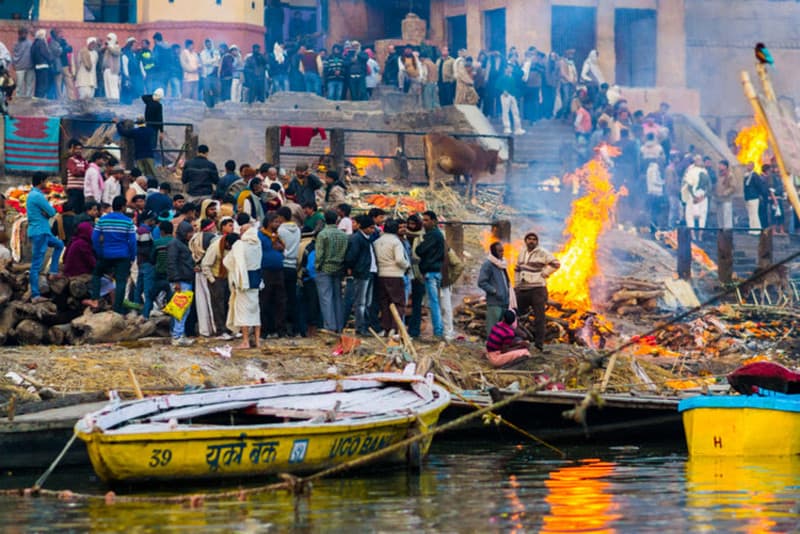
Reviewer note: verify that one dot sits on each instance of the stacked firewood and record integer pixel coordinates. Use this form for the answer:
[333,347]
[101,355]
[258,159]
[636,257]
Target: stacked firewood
[627,296]
[61,319]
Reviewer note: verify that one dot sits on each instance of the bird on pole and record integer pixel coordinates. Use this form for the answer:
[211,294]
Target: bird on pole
[762,54]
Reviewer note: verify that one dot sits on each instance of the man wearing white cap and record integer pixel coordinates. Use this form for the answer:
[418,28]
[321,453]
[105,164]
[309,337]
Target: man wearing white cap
[111,67]
[86,70]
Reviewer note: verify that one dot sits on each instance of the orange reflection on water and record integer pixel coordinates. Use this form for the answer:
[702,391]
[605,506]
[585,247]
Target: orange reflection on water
[579,498]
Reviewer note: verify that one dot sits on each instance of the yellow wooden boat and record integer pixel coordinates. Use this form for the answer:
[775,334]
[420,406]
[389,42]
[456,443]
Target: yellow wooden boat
[293,427]
[742,425]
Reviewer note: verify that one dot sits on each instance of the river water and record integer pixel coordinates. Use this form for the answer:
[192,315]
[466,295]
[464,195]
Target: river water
[467,486]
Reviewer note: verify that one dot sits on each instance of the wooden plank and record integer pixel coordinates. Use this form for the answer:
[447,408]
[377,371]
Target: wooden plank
[197,411]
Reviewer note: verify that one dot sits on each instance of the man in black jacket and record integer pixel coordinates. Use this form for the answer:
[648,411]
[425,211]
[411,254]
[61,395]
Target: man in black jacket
[303,187]
[361,264]
[143,138]
[200,175]
[180,274]
[431,255]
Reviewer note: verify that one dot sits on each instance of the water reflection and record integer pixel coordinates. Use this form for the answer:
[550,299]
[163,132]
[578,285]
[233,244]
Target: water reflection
[580,498]
[747,494]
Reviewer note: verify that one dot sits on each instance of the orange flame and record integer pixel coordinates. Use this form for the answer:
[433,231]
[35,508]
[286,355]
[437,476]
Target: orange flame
[590,217]
[752,142]
[365,159]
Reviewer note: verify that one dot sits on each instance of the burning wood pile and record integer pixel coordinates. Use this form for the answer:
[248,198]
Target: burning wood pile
[626,296]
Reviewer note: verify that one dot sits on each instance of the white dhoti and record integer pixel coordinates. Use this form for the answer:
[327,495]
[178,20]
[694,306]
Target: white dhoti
[243,309]
[696,213]
[202,302]
[752,215]
[111,83]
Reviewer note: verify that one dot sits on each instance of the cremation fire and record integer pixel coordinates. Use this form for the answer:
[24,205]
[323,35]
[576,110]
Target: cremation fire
[590,217]
[752,142]
[365,159]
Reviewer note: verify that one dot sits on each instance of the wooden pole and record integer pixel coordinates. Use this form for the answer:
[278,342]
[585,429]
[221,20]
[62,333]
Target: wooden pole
[337,144]
[501,229]
[402,159]
[765,249]
[455,237]
[510,191]
[403,332]
[272,138]
[725,256]
[191,141]
[135,382]
[761,118]
[684,253]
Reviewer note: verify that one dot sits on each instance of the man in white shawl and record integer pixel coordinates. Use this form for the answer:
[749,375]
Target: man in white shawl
[244,279]
[591,75]
[694,193]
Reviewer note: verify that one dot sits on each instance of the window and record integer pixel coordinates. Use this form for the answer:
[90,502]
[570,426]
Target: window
[117,11]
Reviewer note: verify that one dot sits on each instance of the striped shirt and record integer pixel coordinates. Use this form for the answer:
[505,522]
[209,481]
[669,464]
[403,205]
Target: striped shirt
[501,335]
[76,168]
[114,237]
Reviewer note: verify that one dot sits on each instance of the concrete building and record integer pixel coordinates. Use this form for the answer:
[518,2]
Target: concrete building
[230,21]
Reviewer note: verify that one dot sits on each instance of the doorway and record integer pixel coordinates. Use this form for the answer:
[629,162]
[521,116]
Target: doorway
[494,35]
[456,34]
[576,28]
[635,47]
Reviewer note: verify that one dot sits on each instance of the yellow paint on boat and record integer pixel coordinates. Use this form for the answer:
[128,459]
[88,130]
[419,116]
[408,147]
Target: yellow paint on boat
[211,452]
[717,431]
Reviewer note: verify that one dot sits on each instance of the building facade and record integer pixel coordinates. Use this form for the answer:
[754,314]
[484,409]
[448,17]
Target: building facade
[229,21]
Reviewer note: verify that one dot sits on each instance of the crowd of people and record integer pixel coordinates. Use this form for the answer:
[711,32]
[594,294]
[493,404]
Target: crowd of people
[263,252]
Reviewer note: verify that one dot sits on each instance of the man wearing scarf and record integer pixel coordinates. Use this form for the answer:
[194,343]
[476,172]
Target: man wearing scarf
[493,280]
[198,245]
[244,279]
[249,200]
[216,275]
[534,266]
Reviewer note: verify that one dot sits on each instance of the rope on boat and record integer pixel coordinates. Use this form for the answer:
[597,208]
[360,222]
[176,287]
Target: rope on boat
[291,484]
[41,480]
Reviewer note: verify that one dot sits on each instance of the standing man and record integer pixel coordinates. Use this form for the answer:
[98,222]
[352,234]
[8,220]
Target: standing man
[431,253]
[568,76]
[507,87]
[753,186]
[209,68]
[41,59]
[493,280]
[334,73]
[447,78]
[289,234]
[86,70]
[41,237]
[114,243]
[76,170]
[111,67]
[190,64]
[331,247]
[694,193]
[304,185]
[534,267]
[181,271]
[23,64]
[200,175]
[725,191]
[362,265]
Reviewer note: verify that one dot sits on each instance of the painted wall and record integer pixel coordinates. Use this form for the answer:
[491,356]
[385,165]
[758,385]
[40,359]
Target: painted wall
[235,11]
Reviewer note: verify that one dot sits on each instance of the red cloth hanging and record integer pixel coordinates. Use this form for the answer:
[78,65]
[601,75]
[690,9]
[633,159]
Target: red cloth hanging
[301,135]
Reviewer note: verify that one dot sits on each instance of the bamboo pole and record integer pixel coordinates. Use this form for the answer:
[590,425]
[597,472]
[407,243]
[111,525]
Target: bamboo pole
[135,382]
[761,117]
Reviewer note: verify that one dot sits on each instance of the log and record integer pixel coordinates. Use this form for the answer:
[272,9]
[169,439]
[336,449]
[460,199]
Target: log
[30,332]
[650,304]
[8,320]
[79,287]
[59,285]
[6,292]
[110,327]
[40,311]
[627,294]
[633,283]
[60,334]
[625,310]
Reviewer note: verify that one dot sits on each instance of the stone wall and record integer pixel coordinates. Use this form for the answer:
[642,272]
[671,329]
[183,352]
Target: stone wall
[237,131]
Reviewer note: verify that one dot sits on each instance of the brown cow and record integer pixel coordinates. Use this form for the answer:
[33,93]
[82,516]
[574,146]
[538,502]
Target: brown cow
[458,158]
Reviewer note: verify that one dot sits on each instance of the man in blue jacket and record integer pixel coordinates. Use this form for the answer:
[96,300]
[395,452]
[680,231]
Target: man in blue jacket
[144,143]
[39,213]
[114,243]
[361,264]
[273,295]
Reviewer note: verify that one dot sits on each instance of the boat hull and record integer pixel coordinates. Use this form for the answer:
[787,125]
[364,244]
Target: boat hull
[742,425]
[254,451]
